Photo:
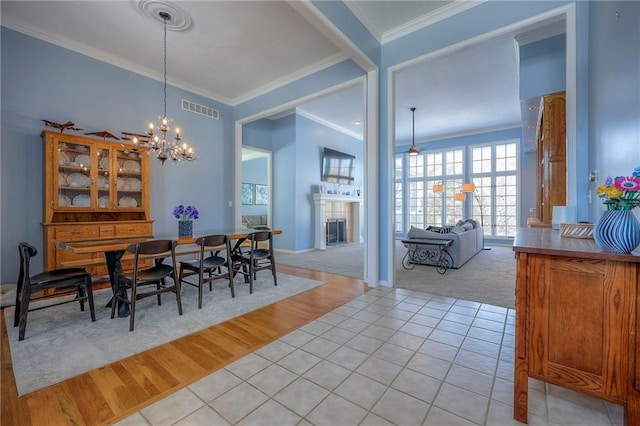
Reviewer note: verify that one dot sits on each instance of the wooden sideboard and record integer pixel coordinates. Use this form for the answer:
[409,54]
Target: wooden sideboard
[577,317]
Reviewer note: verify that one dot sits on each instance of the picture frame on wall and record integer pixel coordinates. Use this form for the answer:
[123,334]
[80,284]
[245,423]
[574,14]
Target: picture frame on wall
[247,194]
[262,195]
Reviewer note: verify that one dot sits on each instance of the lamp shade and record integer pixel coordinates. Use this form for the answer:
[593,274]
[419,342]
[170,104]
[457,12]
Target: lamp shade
[438,187]
[459,196]
[468,187]
[414,150]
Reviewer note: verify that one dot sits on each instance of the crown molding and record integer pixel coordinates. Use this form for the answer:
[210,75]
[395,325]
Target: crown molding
[364,20]
[471,132]
[334,59]
[438,15]
[153,74]
[328,124]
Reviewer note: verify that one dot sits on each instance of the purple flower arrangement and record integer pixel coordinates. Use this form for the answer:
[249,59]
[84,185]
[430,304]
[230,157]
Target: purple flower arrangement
[185,213]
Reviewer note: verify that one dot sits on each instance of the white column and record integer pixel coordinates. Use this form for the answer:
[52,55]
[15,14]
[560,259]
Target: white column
[356,213]
[320,242]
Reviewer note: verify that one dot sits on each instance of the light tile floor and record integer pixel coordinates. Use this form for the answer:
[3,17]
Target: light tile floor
[389,357]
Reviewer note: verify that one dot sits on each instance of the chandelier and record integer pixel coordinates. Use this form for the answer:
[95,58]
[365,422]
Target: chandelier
[414,150]
[157,136]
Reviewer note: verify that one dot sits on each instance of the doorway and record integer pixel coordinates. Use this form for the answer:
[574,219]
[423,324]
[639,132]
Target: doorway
[256,187]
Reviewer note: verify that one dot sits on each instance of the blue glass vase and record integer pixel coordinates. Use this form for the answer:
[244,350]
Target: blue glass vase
[185,228]
[617,231]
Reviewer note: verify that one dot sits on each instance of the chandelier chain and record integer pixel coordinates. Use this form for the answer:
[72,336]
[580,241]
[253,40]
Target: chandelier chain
[165,16]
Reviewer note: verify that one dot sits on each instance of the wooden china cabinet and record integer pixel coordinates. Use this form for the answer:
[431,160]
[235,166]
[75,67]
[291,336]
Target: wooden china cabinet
[552,169]
[93,189]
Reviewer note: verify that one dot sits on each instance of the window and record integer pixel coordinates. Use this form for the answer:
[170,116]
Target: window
[494,173]
[399,181]
[491,167]
[415,202]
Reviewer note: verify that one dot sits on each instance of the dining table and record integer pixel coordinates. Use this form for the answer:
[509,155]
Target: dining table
[115,248]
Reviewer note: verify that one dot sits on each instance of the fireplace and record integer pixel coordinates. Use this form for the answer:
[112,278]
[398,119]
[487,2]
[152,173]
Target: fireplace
[336,231]
[332,207]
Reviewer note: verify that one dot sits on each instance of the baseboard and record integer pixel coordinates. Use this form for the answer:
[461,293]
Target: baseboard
[284,251]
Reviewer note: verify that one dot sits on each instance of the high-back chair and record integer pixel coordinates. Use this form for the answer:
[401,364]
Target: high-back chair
[210,265]
[76,279]
[259,257]
[143,276]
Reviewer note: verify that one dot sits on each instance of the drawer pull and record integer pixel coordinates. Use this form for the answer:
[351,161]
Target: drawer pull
[76,232]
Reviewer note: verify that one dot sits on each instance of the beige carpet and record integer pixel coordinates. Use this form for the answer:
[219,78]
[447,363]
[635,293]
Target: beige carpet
[489,277]
[62,342]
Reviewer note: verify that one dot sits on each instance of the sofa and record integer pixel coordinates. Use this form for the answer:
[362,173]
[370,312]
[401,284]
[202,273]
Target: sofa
[251,221]
[467,236]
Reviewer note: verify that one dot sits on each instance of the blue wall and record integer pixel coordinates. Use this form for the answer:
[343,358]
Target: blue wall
[614,93]
[297,144]
[43,81]
[543,67]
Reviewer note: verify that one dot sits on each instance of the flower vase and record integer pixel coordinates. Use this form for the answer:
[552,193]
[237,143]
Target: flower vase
[617,231]
[185,228]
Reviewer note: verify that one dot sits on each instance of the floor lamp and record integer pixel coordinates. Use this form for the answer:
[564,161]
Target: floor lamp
[470,187]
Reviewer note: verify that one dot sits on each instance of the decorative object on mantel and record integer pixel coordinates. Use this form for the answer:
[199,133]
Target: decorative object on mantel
[185,216]
[104,135]
[62,126]
[413,150]
[175,149]
[618,230]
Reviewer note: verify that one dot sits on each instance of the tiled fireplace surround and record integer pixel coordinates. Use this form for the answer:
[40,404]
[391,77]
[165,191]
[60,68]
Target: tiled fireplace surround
[335,206]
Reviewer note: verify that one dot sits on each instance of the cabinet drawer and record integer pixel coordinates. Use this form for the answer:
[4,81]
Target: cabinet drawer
[75,233]
[133,229]
[107,231]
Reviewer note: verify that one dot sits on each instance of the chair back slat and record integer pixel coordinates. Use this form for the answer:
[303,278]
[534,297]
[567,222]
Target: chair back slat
[212,240]
[152,247]
[260,236]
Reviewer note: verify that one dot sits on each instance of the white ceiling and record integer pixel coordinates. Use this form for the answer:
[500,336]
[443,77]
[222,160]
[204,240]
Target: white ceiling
[235,50]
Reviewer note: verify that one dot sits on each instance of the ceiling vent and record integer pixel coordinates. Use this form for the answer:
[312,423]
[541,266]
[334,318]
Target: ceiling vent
[200,109]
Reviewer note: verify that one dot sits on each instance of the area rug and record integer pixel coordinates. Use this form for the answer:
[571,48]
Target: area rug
[62,342]
[489,277]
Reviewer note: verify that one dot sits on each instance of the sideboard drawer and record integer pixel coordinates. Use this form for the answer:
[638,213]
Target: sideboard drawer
[133,229]
[107,231]
[76,232]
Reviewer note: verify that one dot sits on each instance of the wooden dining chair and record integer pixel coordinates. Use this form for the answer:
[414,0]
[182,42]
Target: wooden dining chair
[210,264]
[143,276]
[70,279]
[259,257]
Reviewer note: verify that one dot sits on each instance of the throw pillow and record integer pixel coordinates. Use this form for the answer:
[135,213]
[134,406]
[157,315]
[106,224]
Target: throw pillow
[458,230]
[472,222]
[467,226]
[441,230]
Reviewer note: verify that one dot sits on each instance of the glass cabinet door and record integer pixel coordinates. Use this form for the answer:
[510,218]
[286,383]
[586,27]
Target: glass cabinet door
[129,180]
[104,178]
[74,175]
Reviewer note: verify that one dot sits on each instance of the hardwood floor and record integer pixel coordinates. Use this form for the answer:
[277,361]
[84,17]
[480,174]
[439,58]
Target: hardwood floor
[112,392]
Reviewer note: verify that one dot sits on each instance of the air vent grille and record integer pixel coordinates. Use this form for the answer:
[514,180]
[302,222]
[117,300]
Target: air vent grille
[200,109]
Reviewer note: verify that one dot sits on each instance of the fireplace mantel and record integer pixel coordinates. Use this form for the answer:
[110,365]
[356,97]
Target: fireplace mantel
[319,201]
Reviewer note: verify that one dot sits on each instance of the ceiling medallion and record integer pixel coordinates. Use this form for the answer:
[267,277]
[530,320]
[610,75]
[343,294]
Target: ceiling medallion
[179,20]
